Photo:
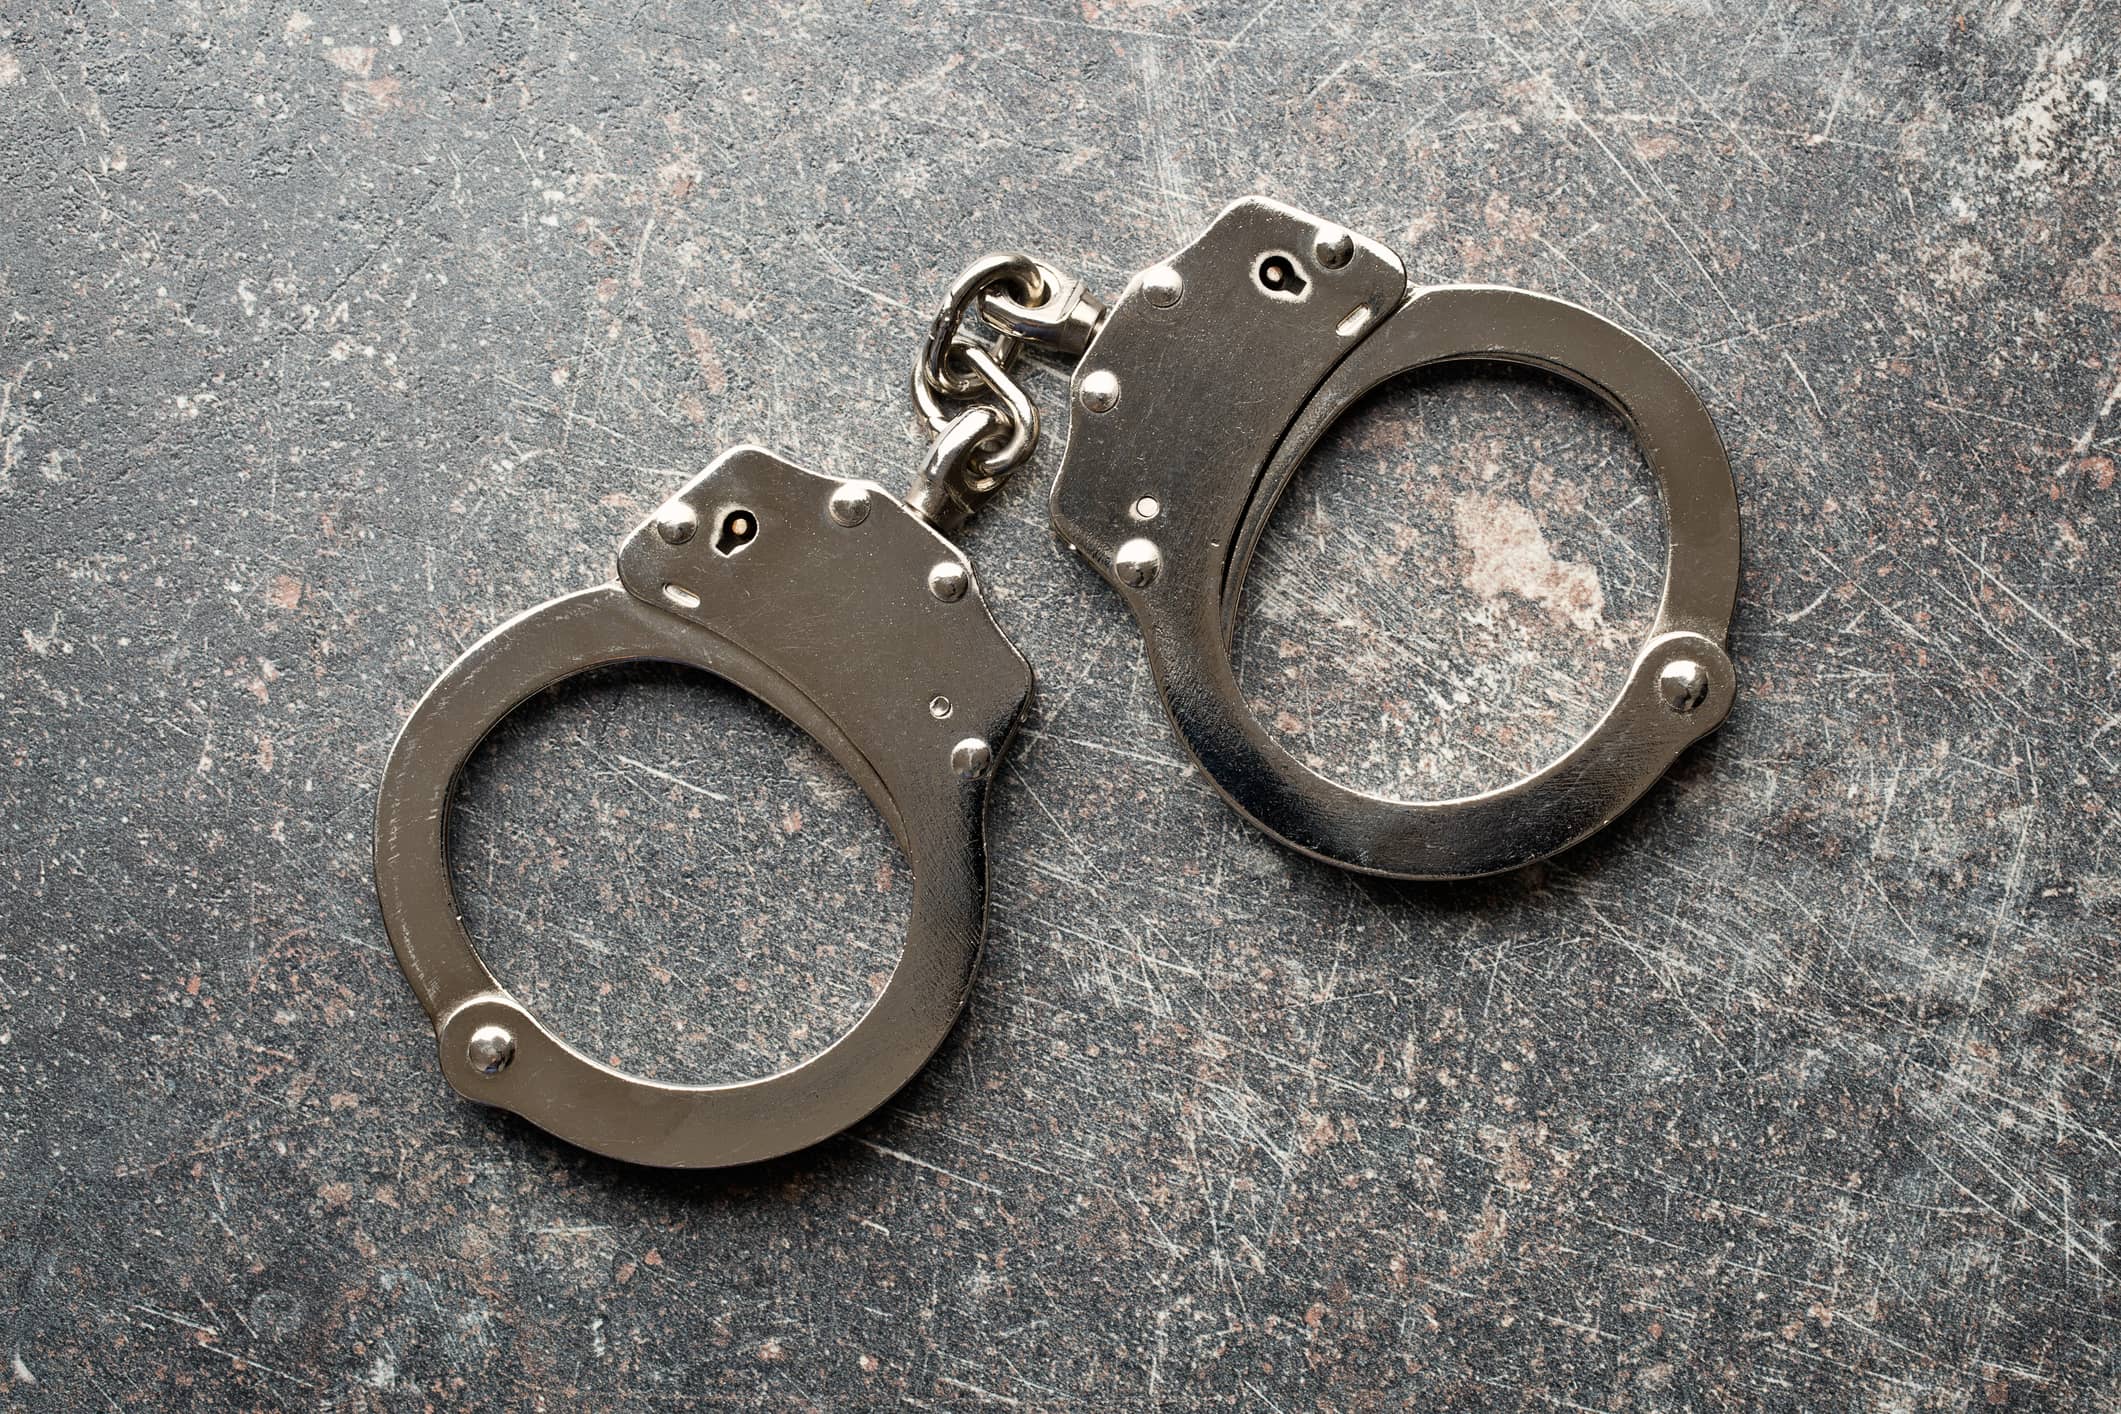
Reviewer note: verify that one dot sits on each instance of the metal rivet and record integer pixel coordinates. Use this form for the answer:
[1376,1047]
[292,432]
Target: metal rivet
[850,504]
[1162,287]
[1137,562]
[1683,684]
[676,522]
[491,1049]
[940,707]
[1334,247]
[1146,509]
[971,757]
[1100,391]
[947,581]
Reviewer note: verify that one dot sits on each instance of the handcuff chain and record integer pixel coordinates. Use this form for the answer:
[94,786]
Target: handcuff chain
[1025,303]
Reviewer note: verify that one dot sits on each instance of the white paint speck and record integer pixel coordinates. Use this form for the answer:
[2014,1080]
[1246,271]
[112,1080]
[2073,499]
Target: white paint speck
[1967,267]
[358,60]
[2032,132]
[42,644]
[1511,556]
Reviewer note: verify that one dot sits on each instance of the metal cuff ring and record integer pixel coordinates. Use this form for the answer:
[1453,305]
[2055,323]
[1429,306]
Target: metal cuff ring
[1191,483]
[883,652]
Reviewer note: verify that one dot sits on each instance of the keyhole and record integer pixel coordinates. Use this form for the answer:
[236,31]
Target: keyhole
[739,528]
[1279,277]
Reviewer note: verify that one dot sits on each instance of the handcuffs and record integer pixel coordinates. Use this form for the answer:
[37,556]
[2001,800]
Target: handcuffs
[1197,395]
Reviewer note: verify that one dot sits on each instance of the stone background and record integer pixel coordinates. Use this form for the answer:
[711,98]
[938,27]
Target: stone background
[331,336]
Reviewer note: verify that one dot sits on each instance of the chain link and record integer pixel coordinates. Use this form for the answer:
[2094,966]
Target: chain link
[1005,397]
[1007,270]
[956,365]
[993,427]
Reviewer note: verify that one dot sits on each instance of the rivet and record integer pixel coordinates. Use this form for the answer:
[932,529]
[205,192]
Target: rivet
[971,757]
[1137,562]
[1100,391]
[947,581]
[1148,508]
[940,707]
[1162,287]
[676,522]
[1334,247]
[490,1049]
[850,504]
[1683,685]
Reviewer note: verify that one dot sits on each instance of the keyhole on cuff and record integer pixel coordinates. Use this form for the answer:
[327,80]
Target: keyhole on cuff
[739,528]
[1279,277]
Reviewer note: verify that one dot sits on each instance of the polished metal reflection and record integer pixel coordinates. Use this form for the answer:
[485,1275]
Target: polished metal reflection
[1286,321]
[832,612]
[1199,393]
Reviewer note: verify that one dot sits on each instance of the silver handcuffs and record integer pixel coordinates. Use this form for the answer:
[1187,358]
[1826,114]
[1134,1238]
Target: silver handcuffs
[1198,393]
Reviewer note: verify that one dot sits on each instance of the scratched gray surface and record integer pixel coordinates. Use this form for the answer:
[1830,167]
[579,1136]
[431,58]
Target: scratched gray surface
[330,338]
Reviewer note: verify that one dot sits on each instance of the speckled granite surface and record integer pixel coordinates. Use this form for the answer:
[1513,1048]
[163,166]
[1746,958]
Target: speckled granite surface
[331,336]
